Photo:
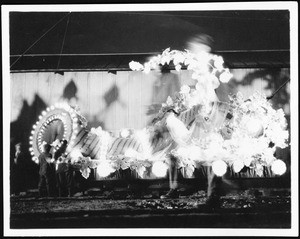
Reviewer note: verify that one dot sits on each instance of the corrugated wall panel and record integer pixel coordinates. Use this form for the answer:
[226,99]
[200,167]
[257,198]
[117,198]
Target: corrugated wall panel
[116,101]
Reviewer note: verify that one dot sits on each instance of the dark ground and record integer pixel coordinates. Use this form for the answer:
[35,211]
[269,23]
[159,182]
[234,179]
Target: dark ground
[125,207]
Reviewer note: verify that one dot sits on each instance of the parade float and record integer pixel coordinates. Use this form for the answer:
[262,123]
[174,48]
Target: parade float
[192,126]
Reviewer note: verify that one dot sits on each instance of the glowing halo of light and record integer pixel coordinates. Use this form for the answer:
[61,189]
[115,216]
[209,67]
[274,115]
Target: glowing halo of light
[219,167]
[124,133]
[104,169]
[238,165]
[278,167]
[159,169]
[54,113]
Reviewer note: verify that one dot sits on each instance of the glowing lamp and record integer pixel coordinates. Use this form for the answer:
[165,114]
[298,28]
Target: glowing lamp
[238,165]
[52,107]
[131,153]
[124,133]
[219,167]
[40,117]
[254,127]
[278,167]
[34,126]
[159,169]
[225,76]
[104,169]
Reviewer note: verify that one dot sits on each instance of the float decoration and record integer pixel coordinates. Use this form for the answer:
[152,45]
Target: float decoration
[207,69]
[249,139]
[57,123]
[226,131]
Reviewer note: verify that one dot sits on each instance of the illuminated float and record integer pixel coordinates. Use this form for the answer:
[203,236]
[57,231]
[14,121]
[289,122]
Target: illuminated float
[191,126]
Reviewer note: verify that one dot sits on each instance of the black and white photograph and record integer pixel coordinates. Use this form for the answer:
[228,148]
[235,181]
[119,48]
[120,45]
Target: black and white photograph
[171,119]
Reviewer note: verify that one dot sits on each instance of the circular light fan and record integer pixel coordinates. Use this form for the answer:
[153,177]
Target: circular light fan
[57,123]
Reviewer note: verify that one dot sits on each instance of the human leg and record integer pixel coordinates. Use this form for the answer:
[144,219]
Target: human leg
[173,179]
[50,184]
[41,185]
[69,181]
[213,188]
[60,183]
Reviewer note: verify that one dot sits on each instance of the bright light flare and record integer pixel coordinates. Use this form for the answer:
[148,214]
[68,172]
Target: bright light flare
[125,133]
[278,167]
[238,165]
[219,167]
[104,169]
[159,169]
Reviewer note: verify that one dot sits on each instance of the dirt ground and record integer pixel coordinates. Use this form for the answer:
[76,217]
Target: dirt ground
[238,200]
[250,208]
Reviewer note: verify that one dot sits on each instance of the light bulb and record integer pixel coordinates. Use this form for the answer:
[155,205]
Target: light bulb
[159,169]
[219,167]
[278,167]
[238,165]
[104,169]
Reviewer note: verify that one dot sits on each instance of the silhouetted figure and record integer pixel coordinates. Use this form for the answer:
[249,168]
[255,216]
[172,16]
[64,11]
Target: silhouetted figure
[197,45]
[19,170]
[63,174]
[46,176]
